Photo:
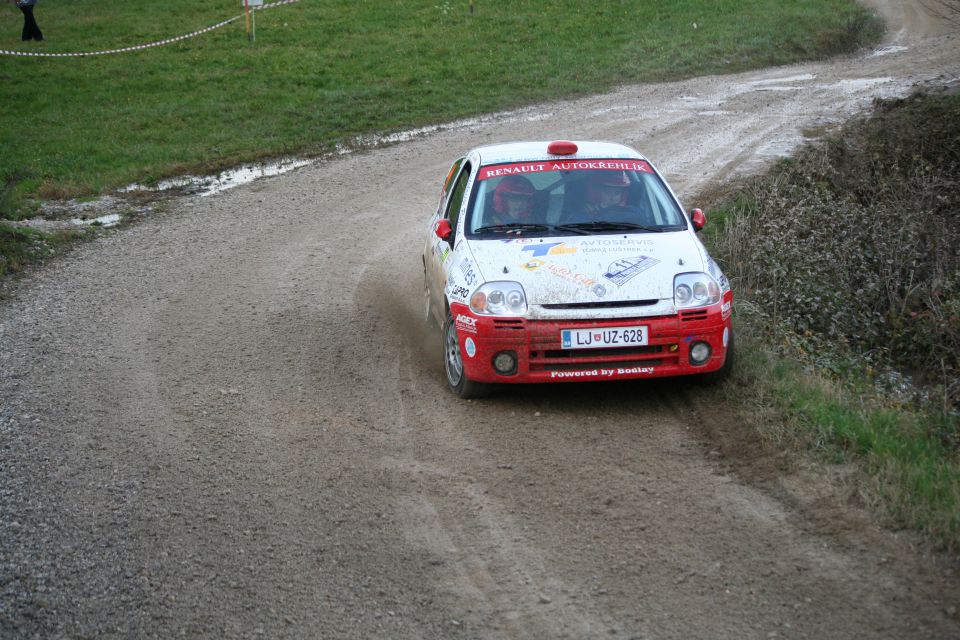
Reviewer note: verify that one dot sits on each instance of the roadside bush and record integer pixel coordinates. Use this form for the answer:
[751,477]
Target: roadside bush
[860,30]
[853,244]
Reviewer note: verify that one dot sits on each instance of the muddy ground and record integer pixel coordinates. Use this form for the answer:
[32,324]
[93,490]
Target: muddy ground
[228,421]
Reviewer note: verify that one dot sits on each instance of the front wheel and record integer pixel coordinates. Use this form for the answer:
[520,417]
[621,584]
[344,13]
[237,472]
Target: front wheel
[457,378]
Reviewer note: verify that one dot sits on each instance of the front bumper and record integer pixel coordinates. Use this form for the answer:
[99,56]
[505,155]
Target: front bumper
[540,357]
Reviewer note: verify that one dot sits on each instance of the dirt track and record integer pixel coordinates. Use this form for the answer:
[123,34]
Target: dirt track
[227,421]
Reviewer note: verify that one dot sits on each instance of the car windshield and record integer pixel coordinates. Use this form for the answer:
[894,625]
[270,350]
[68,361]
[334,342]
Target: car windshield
[561,197]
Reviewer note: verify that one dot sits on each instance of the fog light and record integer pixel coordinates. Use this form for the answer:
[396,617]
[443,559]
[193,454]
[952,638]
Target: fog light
[505,363]
[699,353]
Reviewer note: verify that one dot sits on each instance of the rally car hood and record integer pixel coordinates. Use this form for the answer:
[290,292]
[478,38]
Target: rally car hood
[591,269]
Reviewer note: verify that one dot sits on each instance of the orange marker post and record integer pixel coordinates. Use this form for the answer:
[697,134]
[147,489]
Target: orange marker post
[251,16]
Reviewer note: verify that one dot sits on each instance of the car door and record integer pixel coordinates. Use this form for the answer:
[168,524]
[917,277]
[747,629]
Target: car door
[439,259]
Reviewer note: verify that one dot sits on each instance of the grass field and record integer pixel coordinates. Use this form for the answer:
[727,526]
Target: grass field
[324,71]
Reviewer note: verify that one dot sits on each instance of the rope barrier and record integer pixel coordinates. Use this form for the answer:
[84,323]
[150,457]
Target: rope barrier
[30,54]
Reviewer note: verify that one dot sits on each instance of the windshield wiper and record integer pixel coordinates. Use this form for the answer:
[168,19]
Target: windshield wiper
[512,227]
[607,225]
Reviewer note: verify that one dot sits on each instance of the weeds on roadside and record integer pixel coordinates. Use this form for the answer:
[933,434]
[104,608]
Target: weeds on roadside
[18,247]
[852,244]
[847,261]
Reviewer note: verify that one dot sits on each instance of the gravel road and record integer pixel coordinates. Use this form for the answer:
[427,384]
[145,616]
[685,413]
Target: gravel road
[227,421]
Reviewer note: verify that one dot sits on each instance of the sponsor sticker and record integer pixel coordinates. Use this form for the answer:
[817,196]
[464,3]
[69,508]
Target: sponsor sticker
[533,265]
[549,248]
[602,373]
[469,273]
[459,293]
[625,269]
[470,347]
[602,244]
[715,271]
[466,323]
[520,168]
[559,271]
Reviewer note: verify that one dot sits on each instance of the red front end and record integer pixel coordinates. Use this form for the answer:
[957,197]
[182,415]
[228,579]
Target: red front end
[675,347]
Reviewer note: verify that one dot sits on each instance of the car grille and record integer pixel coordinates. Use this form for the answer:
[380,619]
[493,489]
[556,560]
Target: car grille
[599,353]
[573,366]
[696,314]
[509,325]
[564,359]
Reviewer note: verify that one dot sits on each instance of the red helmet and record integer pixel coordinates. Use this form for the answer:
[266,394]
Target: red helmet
[513,185]
[602,179]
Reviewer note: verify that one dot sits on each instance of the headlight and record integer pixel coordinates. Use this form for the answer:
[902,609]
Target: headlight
[499,299]
[695,290]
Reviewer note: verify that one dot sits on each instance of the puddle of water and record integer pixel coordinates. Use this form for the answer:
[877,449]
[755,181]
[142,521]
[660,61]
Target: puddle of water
[775,88]
[602,112]
[803,77]
[400,136]
[884,51]
[110,220]
[209,185]
[858,84]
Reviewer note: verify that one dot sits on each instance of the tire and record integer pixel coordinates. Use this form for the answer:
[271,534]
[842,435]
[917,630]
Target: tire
[721,374]
[428,302]
[457,379]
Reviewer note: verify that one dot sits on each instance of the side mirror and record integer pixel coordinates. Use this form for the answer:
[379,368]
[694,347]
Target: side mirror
[699,219]
[443,229]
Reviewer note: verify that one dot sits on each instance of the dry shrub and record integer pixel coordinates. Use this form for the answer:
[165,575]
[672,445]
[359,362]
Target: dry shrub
[854,242]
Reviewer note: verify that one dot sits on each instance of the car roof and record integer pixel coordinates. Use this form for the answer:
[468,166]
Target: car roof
[522,151]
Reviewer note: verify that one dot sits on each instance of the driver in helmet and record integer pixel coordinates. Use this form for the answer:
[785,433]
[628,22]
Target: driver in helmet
[607,193]
[513,201]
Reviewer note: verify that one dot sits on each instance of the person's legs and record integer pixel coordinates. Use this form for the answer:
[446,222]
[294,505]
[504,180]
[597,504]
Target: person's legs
[27,32]
[31,30]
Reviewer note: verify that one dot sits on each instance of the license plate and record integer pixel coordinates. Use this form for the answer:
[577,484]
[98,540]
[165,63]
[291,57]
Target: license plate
[603,337]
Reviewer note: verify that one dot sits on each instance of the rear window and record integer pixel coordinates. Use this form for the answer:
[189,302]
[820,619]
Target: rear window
[553,197]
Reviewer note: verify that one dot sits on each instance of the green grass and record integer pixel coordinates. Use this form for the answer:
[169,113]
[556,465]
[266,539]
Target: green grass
[324,71]
[909,457]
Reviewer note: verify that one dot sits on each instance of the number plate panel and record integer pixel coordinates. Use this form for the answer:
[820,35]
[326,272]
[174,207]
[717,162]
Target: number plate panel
[604,337]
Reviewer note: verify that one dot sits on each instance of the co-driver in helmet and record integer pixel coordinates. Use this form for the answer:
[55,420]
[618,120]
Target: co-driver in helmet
[607,193]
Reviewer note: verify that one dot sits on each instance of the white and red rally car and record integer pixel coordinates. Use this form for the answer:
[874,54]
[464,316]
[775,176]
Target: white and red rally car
[570,261]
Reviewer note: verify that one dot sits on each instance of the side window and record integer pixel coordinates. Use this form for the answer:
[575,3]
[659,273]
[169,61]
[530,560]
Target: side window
[447,182]
[456,196]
